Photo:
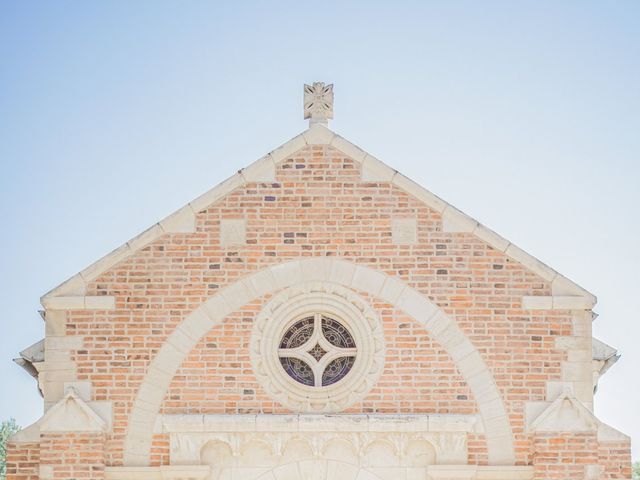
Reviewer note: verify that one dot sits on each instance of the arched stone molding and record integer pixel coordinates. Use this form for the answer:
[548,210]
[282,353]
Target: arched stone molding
[442,329]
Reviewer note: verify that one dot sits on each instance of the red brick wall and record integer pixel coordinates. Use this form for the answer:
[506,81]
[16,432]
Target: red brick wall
[23,461]
[615,458]
[419,376]
[74,455]
[319,207]
[564,456]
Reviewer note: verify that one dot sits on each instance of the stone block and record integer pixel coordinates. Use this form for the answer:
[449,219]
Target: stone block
[288,149]
[348,148]
[391,289]
[530,262]
[368,280]
[492,238]
[318,135]
[233,232]
[404,231]
[454,221]
[416,305]
[412,188]
[205,200]
[260,171]
[373,170]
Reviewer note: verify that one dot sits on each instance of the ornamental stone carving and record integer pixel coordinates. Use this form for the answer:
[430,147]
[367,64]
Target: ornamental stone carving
[317,347]
[318,103]
[262,441]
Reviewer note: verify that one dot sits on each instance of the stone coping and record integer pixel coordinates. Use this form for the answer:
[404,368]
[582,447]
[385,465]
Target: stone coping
[263,170]
[432,472]
[318,423]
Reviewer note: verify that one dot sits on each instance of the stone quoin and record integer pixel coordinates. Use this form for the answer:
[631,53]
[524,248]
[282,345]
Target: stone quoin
[318,316]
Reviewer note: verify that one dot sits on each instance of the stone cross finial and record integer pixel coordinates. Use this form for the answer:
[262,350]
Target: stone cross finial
[318,103]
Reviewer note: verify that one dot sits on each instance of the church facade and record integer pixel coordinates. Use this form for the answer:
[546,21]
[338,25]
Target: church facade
[318,316]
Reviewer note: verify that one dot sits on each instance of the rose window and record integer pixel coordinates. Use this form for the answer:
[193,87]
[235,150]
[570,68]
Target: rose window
[317,351]
[317,347]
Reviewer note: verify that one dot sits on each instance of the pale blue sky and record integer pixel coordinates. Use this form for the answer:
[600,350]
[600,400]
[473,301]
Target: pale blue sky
[526,115]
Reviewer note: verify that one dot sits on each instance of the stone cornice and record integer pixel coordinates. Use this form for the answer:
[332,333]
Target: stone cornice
[434,472]
[318,423]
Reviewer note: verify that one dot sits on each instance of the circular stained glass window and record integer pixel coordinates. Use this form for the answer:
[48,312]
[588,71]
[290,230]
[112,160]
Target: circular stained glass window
[317,347]
[317,351]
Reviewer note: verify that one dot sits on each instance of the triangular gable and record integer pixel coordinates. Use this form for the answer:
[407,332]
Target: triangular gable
[566,414]
[71,414]
[263,170]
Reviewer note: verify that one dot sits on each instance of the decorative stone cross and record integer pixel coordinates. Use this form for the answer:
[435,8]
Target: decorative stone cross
[318,103]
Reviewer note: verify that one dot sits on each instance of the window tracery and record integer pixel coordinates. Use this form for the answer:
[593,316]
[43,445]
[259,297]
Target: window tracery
[317,351]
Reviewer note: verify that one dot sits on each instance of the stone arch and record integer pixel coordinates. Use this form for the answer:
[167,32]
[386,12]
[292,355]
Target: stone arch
[297,449]
[380,453]
[257,451]
[218,455]
[340,450]
[420,453]
[442,329]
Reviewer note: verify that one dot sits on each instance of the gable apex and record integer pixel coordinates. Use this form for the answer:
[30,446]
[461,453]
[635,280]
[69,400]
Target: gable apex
[373,171]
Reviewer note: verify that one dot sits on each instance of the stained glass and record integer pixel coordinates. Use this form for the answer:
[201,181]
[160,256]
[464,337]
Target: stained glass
[317,352]
[298,370]
[337,370]
[336,334]
[298,334]
[331,337]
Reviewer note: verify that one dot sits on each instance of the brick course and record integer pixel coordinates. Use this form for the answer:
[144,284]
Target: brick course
[23,461]
[319,206]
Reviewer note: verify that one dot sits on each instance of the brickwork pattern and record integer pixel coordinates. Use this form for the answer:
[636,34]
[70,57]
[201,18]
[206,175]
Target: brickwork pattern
[23,461]
[74,455]
[615,458]
[564,456]
[319,206]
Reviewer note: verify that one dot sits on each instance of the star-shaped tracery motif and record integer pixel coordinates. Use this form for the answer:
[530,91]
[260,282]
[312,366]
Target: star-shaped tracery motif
[317,351]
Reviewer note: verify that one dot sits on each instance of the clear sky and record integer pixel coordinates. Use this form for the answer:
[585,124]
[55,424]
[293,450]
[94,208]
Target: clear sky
[525,115]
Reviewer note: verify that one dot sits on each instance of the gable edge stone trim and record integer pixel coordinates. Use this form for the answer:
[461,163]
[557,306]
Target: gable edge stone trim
[182,221]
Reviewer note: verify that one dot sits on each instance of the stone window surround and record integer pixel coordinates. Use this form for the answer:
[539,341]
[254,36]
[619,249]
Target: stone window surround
[303,300]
